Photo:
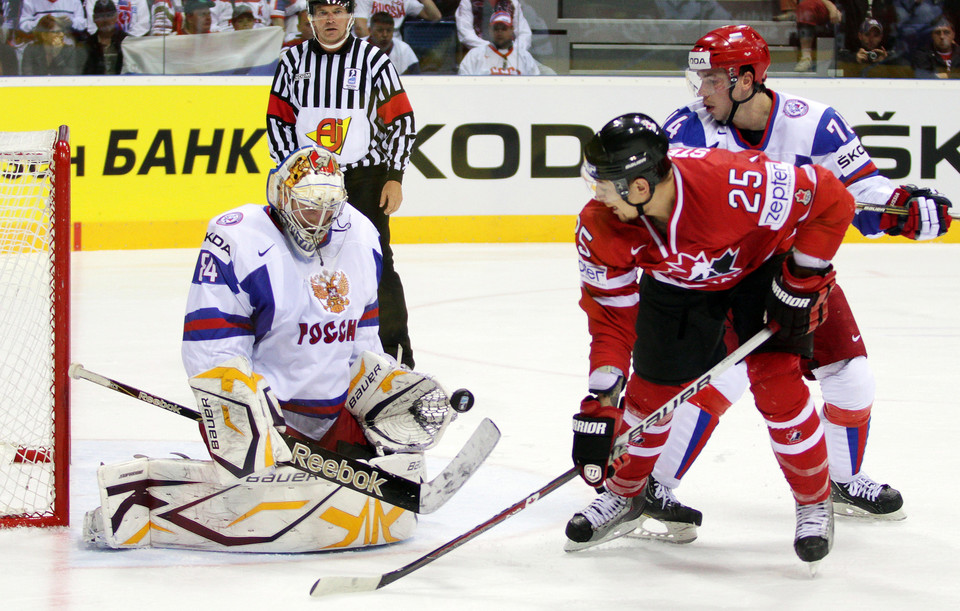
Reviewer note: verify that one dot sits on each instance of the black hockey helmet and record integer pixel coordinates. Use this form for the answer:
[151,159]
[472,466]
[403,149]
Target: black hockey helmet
[350,5]
[629,147]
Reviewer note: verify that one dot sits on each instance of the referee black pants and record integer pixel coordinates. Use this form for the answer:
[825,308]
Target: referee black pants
[364,186]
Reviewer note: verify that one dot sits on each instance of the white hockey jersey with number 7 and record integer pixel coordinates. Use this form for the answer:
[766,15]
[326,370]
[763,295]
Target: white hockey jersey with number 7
[300,322]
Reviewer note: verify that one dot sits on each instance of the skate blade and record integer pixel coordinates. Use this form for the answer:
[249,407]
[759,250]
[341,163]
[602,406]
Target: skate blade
[616,533]
[813,567]
[677,533]
[852,511]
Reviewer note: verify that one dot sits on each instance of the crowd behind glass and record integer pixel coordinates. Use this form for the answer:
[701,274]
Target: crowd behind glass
[870,38]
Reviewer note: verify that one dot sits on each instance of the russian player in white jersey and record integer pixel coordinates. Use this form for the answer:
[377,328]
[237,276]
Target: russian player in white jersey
[735,111]
[280,341]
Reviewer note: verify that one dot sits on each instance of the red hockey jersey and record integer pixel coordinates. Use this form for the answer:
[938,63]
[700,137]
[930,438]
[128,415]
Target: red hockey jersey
[733,212]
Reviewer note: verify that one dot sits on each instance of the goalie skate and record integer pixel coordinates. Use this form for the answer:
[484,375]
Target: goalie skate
[608,517]
[867,499]
[665,518]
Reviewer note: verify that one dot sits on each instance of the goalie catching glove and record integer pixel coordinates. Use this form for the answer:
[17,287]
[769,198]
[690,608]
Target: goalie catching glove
[399,410]
[928,213]
[241,423]
[594,431]
[798,301]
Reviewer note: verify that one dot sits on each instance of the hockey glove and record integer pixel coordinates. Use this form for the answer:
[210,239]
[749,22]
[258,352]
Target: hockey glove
[798,303]
[927,216]
[594,430]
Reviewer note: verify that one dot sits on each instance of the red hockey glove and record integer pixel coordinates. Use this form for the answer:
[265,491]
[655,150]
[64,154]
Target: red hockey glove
[799,304]
[928,215]
[594,430]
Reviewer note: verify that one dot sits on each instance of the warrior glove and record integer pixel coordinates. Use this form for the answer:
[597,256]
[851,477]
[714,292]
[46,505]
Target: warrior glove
[594,430]
[798,300]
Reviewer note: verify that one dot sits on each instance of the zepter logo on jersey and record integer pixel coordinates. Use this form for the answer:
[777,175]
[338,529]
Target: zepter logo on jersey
[778,200]
[331,289]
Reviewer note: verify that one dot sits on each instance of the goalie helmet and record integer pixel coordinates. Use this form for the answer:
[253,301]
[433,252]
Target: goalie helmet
[307,193]
[629,147]
[731,48]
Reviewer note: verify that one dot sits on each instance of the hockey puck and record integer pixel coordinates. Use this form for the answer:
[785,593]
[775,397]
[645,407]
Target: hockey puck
[461,400]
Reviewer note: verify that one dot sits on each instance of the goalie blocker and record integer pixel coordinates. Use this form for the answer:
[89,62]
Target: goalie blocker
[244,500]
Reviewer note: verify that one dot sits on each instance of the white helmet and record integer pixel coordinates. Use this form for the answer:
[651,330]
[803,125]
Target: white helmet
[308,193]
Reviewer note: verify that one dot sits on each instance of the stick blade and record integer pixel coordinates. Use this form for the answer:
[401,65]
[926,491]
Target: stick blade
[465,463]
[325,586]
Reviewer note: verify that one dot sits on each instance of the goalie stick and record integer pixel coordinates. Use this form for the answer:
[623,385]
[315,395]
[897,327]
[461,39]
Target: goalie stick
[343,585]
[309,457]
[954,214]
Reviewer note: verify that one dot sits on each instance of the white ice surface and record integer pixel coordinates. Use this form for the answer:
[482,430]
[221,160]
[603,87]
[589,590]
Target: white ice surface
[503,320]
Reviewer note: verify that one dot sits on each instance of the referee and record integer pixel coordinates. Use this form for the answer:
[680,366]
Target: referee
[343,94]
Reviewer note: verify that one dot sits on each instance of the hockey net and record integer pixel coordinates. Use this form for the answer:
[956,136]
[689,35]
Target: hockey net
[34,327]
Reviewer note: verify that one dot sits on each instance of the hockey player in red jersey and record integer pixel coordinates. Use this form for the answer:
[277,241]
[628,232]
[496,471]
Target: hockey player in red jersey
[713,232]
[736,111]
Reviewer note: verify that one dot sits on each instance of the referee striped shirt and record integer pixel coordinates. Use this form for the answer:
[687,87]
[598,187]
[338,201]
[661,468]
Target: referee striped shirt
[350,102]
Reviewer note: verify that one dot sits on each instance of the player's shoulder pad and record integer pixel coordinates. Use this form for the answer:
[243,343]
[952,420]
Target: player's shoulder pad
[684,127]
[246,227]
[354,226]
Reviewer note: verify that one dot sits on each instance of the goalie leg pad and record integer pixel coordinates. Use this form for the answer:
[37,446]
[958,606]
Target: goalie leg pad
[240,420]
[398,409]
[174,503]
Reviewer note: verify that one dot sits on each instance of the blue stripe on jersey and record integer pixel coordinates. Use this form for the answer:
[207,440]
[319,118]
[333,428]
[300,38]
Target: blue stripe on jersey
[212,323]
[370,316]
[211,270]
[257,286]
[316,408]
[378,259]
[683,127]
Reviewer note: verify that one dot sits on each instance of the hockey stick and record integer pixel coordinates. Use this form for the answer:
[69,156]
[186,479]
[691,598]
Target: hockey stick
[955,214]
[309,457]
[343,585]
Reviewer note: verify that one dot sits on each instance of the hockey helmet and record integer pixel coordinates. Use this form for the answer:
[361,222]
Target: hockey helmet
[731,48]
[629,147]
[350,5]
[307,193]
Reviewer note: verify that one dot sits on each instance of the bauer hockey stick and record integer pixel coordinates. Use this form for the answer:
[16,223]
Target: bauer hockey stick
[343,585]
[954,214]
[309,457]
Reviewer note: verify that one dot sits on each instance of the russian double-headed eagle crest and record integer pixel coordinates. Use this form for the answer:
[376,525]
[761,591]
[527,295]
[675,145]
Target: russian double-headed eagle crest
[331,288]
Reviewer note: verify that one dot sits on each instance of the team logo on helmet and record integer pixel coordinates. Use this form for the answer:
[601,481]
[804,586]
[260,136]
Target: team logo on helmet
[699,60]
[331,289]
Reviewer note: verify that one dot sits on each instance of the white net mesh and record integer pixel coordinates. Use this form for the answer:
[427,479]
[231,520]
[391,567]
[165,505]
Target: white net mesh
[26,324]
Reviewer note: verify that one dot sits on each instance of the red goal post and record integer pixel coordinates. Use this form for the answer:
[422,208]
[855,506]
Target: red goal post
[34,328]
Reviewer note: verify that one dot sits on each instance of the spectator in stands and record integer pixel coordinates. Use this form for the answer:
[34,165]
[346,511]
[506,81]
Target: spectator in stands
[941,58]
[49,54]
[243,18]
[166,17]
[197,17]
[473,15]
[398,9]
[788,11]
[381,35]
[133,16]
[812,14]
[9,65]
[103,52]
[870,58]
[68,12]
[221,14]
[304,30]
[915,19]
[501,57]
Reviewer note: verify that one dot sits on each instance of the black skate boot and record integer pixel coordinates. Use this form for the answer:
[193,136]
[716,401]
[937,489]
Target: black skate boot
[865,498]
[609,516]
[814,536]
[665,518]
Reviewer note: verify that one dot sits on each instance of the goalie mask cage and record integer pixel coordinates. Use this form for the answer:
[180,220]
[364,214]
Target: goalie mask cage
[34,328]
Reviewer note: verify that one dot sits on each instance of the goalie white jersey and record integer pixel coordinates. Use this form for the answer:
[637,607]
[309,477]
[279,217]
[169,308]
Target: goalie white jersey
[799,131]
[300,323]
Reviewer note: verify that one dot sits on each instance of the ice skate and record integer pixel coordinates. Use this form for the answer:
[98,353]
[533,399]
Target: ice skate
[814,536]
[665,518]
[609,516]
[865,498]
